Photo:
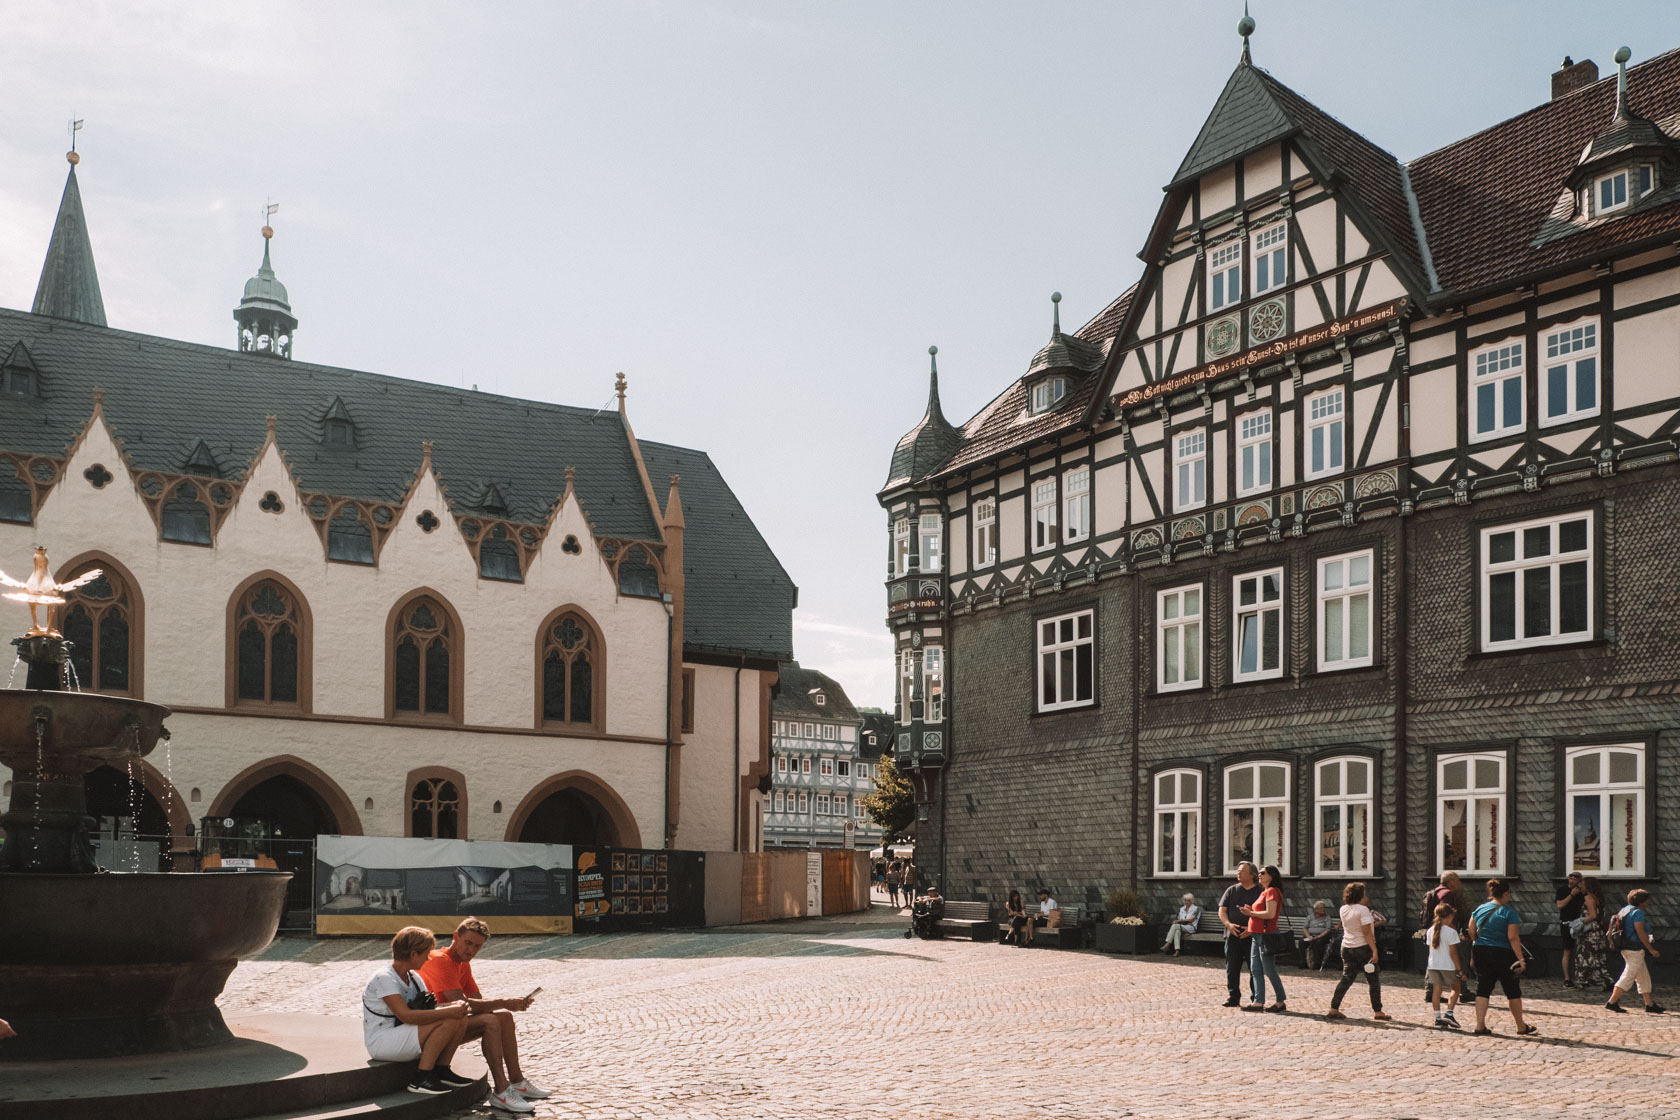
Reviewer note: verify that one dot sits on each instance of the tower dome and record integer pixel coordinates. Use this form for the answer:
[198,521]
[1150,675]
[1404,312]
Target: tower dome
[264,315]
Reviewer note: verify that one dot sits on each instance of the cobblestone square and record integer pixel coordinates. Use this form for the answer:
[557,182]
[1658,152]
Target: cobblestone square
[845,1018]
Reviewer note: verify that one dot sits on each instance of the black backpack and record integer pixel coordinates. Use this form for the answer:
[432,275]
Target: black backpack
[1617,933]
[1431,899]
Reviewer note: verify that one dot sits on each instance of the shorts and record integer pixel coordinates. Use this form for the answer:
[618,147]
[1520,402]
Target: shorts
[399,1042]
[1493,968]
[1444,979]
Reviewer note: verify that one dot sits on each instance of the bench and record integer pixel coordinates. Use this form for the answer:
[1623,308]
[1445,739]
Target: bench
[972,920]
[1071,934]
[1211,931]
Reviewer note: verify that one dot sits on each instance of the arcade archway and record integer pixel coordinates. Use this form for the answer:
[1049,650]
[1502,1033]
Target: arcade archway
[574,808]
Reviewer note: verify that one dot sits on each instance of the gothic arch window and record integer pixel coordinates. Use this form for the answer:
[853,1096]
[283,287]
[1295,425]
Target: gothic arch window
[437,803]
[425,660]
[102,622]
[571,672]
[269,647]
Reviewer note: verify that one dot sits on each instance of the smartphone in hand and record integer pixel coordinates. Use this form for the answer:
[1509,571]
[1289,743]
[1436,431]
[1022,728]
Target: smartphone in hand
[533,994]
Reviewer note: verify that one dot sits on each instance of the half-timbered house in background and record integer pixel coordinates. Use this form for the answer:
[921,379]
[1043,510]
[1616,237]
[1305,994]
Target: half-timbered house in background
[1344,540]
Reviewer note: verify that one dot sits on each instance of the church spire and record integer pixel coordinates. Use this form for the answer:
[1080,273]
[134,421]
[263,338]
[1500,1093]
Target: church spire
[265,319]
[69,287]
[933,413]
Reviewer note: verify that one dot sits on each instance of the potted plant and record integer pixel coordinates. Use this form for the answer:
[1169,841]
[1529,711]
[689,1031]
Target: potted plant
[1130,930]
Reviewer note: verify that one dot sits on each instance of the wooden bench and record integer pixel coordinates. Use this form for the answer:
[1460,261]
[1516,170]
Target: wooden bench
[1209,930]
[1069,935]
[972,920]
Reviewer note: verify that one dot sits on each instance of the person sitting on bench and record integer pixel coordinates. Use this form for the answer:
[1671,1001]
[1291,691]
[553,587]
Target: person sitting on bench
[926,912]
[1188,915]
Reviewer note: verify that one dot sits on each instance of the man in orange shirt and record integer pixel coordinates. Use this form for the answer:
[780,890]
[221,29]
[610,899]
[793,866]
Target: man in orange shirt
[448,974]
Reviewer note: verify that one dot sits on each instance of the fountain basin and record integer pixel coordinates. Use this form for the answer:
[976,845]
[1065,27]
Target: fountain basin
[105,965]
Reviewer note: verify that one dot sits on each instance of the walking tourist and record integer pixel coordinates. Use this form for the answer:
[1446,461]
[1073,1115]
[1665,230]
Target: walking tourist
[1239,894]
[403,1021]
[1315,938]
[448,973]
[1444,890]
[1020,926]
[1571,898]
[1262,937]
[1359,953]
[1630,931]
[1592,947]
[1445,969]
[895,876]
[1496,949]
[1188,915]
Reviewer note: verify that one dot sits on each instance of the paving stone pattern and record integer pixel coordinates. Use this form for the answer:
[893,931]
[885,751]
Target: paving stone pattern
[845,1018]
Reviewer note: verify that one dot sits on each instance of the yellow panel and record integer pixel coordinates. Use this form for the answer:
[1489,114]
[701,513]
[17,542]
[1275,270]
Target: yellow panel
[387,925]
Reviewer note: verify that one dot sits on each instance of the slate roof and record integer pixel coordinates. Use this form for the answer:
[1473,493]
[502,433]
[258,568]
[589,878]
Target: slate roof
[1485,198]
[880,725]
[793,695]
[740,599]
[69,287]
[162,397]
[929,443]
[1005,423]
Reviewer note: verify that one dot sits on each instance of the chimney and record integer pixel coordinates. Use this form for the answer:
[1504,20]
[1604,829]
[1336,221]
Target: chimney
[1572,75]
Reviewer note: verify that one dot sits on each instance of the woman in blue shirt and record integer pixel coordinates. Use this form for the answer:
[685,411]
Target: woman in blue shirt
[1635,943]
[1497,950]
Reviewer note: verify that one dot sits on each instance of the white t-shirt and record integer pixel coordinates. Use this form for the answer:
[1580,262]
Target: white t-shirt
[376,1014]
[1441,957]
[1354,920]
[1047,905]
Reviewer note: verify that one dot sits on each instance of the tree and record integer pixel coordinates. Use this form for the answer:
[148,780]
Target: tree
[893,804]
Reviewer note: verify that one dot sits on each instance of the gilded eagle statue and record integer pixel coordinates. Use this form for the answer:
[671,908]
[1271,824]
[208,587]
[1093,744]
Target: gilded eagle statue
[40,590]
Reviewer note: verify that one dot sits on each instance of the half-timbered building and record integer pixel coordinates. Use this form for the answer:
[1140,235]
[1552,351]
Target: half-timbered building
[1344,540]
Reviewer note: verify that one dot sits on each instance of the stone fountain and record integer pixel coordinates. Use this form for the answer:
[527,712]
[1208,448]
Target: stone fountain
[95,964]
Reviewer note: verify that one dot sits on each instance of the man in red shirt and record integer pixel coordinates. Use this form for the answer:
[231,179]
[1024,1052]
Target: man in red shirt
[448,975]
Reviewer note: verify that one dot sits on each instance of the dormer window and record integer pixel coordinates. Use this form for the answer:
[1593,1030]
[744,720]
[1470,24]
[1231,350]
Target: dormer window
[1047,394]
[18,374]
[340,433]
[1612,192]
[822,701]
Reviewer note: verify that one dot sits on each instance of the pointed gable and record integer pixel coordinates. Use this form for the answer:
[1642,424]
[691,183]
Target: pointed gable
[1246,118]
[69,287]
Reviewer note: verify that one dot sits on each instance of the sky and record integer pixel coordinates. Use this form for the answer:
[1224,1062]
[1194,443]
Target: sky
[762,213]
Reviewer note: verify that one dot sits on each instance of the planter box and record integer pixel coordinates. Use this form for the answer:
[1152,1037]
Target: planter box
[1137,940]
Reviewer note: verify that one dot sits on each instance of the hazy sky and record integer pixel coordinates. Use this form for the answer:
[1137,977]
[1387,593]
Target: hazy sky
[762,213]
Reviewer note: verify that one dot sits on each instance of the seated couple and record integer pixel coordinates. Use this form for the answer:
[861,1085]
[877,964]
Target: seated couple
[425,1004]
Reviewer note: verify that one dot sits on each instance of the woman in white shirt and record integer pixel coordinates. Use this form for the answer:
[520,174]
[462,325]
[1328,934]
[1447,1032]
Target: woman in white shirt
[395,1030]
[1188,915]
[1359,952]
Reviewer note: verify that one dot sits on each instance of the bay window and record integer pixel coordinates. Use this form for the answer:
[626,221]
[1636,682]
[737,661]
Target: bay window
[931,542]
[933,683]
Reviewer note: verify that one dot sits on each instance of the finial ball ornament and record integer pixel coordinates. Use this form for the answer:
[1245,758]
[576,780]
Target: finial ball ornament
[267,232]
[1622,55]
[1245,26]
[1055,297]
[73,157]
[933,349]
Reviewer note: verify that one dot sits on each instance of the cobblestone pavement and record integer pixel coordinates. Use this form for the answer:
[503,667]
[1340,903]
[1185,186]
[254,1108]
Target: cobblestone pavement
[844,1018]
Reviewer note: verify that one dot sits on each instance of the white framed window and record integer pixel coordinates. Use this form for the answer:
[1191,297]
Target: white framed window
[1470,811]
[804,802]
[1225,275]
[839,804]
[830,732]
[1076,504]
[1044,514]
[1190,469]
[1066,661]
[781,764]
[933,683]
[985,532]
[810,731]
[822,804]
[1537,582]
[1254,452]
[1178,638]
[1324,433]
[1496,390]
[901,546]
[858,810]
[1271,248]
[1345,801]
[1257,642]
[822,700]
[1257,815]
[1605,788]
[825,767]
[805,765]
[843,768]
[1048,393]
[778,801]
[1569,377]
[932,539]
[909,685]
[1178,823]
[1612,192]
[1344,610]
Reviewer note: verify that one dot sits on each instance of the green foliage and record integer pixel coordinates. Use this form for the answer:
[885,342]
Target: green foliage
[1123,902]
[893,803]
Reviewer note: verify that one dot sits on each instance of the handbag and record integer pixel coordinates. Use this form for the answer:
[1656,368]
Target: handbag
[422,1001]
[1278,942]
[1577,927]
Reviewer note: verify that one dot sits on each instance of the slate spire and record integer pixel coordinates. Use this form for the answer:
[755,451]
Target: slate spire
[69,287]
[931,441]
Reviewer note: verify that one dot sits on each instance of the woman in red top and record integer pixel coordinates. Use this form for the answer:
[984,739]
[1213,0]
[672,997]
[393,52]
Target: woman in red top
[1263,920]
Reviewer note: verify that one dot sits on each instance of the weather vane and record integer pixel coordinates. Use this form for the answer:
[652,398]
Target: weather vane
[268,212]
[40,590]
[75,127]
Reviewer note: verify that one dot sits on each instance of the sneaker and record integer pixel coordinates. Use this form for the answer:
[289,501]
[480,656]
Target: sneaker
[1616,1007]
[426,1082]
[510,1101]
[1449,1021]
[452,1079]
[1654,1009]
[529,1091]
[1381,1016]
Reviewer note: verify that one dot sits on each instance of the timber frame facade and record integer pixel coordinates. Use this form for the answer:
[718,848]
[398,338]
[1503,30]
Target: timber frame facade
[1344,540]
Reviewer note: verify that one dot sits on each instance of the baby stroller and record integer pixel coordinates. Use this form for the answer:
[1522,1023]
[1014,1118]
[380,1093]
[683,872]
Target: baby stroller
[924,918]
